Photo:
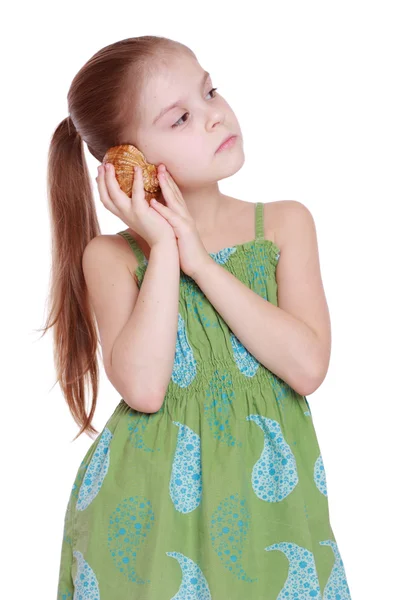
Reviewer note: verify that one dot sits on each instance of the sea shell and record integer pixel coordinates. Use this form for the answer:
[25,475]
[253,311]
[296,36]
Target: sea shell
[124,158]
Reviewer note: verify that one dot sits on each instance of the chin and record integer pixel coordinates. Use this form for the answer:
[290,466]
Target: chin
[231,165]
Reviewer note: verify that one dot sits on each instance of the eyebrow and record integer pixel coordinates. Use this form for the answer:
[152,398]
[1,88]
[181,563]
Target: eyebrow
[175,104]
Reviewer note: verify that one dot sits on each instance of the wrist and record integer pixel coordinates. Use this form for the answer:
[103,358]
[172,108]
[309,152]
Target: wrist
[167,245]
[202,266]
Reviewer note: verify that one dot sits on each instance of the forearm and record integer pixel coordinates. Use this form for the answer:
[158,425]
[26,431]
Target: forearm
[144,351]
[283,344]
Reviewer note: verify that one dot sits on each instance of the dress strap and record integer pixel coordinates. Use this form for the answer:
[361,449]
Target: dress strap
[259,213]
[138,252]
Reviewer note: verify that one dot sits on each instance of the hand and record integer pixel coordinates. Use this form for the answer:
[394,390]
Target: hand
[192,254]
[135,212]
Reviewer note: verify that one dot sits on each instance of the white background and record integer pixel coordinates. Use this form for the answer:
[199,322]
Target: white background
[315,88]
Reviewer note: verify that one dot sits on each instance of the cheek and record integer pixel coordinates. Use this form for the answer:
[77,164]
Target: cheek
[185,154]
[196,152]
[187,164]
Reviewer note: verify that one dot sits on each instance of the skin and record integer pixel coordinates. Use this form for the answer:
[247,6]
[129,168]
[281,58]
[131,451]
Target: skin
[203,120]
[298,329]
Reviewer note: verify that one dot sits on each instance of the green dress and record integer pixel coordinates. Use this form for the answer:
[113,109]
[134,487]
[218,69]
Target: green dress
[221,494]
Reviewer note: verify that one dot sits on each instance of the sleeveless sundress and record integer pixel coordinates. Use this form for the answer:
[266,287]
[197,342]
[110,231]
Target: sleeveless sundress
[221,494]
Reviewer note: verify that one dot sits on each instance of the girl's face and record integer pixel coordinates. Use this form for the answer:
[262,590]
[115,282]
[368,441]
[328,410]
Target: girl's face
[185,137]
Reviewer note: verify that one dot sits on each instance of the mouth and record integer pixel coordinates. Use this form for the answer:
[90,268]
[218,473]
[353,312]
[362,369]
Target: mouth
[227,142]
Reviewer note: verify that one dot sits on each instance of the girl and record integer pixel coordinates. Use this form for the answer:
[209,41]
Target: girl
[207,481]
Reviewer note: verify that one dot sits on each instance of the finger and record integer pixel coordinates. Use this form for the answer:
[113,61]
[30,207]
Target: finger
[113,187]
[171,198]
[103,192]
[114,190]
[162,180]
[172,183]
[138,186]
[167,190]
[176,190]
[164,210]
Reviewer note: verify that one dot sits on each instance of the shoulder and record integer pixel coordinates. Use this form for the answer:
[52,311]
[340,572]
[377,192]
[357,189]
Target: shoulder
[287,220]
[300,285]
[103,244]
[108,248]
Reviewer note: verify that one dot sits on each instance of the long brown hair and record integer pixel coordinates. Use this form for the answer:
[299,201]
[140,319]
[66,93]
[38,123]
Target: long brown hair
[103,104]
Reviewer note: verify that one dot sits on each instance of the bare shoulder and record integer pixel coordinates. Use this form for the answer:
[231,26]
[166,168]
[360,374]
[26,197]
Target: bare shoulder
[283,218]
[272,218]
[109,247]
[294,232]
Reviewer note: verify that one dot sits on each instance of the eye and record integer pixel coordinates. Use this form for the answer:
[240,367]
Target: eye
[212,91]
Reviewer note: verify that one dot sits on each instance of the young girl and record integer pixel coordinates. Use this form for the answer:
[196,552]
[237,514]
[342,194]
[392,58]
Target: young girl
[207,481]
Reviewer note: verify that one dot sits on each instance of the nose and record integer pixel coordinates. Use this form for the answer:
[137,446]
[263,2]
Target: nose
[216,118]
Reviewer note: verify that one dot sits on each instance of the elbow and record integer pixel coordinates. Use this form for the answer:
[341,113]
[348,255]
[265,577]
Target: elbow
[143,405]
[155,407]
[307,387]
[313,371]
[311,382]
[137,397]
[153,404]
[157,402]
[148,403]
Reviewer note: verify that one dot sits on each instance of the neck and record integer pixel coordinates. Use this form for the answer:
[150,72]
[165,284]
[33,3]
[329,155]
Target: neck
[206,206]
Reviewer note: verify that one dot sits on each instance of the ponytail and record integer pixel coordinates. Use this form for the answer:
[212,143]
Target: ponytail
[73,224]
[103,99]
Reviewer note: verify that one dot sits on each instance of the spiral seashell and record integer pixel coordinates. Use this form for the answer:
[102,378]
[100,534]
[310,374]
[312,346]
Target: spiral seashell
[124,158]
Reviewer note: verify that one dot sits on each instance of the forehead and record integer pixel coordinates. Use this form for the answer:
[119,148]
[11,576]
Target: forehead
[170,83]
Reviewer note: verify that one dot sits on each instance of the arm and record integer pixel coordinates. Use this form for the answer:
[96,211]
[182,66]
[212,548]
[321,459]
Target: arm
[292,340]
[137,326]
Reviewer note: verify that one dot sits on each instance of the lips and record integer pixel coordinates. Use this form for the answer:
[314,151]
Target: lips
[228,137]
